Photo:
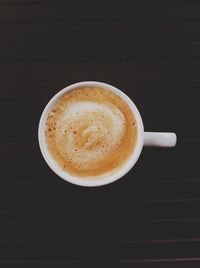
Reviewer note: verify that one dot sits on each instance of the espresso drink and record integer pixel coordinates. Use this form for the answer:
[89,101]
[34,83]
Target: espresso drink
[91,132]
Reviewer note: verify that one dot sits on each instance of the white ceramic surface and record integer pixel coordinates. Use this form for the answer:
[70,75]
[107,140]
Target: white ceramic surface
[147,138]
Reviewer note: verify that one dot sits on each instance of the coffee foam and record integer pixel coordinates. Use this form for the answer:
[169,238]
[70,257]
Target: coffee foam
[87,132]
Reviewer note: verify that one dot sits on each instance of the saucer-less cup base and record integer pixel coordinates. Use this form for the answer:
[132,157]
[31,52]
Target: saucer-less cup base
[144,138]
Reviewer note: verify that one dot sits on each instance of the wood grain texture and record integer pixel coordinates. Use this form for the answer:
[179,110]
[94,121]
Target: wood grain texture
[150,50]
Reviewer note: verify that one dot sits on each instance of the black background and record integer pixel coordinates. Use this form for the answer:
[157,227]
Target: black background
[151,51]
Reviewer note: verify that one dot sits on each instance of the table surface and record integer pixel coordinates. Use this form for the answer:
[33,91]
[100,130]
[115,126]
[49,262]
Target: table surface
[151,51]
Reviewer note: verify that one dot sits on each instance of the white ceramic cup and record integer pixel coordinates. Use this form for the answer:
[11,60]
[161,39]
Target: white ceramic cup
[144,138]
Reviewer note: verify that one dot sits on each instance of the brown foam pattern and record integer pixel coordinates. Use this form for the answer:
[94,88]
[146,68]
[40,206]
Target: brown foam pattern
[91,132]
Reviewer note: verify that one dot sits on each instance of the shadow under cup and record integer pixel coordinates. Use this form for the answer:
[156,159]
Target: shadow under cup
[84,181]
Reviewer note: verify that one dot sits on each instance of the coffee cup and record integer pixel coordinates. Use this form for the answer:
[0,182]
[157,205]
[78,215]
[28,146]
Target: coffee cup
[156,139]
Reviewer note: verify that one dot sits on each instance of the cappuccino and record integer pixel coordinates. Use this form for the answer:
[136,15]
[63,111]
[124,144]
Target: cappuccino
[91,132]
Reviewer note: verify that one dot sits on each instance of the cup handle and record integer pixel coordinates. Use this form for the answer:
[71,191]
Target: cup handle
[159,139]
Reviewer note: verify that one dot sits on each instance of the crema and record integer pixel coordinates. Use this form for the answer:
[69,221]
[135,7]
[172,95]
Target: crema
[91,132]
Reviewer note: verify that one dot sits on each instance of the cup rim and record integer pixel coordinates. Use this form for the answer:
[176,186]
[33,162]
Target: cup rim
[127,166]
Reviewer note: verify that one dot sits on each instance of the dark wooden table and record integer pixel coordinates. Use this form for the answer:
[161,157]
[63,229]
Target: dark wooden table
[151,51]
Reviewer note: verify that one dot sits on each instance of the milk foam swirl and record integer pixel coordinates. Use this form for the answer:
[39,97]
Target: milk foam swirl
[90,132]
